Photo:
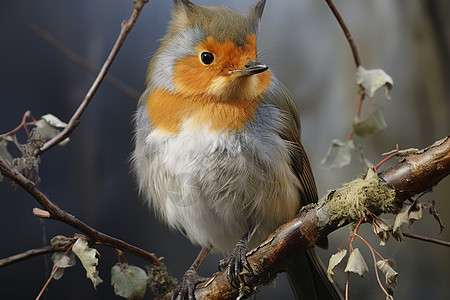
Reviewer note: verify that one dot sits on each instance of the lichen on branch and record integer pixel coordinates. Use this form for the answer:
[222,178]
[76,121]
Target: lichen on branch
[365,194]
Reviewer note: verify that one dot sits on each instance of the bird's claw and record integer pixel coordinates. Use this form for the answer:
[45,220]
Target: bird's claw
[186,288]
[236,263]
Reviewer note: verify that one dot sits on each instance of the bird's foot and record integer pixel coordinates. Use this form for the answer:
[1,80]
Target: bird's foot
[186,288]
[236,263]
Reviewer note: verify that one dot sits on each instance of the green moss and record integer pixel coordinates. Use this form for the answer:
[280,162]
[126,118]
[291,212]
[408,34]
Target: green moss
[351,202]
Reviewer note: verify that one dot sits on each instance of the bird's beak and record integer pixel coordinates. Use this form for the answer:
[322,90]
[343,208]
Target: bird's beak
[251,68]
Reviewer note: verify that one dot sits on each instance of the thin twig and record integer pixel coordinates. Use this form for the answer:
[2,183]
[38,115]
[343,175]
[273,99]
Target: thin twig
[361,100]
[391,155]
[350,135]
[81,61]
[426,239]
[52,275]
[346,32]
[75,120]
[23,124]
[370,247]
[350,248]
[30,253]
[347,283]
[375,265]
[58,214]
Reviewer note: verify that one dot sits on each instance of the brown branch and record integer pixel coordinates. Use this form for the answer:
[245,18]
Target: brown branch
[31,253]
[58,214]
[422,170]
[414,174]
[426,239]
[346,32]
[52,211]
[75,120]
[81,61]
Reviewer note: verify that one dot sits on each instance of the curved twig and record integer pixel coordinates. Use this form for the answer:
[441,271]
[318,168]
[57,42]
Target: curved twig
[81,61]
[56,213]
[75,120]
[346,32]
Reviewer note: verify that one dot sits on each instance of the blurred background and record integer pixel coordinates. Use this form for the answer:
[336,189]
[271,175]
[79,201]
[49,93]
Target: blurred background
[306,49]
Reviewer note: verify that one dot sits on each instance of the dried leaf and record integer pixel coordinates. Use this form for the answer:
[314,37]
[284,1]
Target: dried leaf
[335,259]
[431,206]
[407,216]
[129,282]
[54,121]
[49,126]
[89,259]
[386,266]
[356,263]
[60,240]
[334,143]
[374,123]
[398,235]
[9,138]
[382,229]
[373,79]
[4,153]
[62,262]
[415,213]
[344,155]
[362,157]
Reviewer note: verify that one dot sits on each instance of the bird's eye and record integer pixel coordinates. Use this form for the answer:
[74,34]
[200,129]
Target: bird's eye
[207,58]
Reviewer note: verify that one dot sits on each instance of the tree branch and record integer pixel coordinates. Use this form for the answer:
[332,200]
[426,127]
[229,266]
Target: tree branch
[75,120]
[31,253]
[414,174]
[81,61]
[420,171]
[58,214]
[346,32]
[426,239]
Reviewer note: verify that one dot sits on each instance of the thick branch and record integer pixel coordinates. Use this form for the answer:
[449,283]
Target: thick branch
[419,171]
[414,174]
[58,214]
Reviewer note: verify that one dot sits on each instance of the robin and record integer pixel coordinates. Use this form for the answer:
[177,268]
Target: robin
[218,154]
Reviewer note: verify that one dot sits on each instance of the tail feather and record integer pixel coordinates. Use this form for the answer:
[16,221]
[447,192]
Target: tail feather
[309,281]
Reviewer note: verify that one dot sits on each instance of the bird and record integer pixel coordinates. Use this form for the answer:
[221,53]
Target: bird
[218,154]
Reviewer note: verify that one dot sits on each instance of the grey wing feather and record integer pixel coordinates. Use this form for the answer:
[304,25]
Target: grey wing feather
[307,275]
[279,96]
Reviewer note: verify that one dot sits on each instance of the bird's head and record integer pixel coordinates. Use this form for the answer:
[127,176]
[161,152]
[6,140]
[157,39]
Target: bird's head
[210,52]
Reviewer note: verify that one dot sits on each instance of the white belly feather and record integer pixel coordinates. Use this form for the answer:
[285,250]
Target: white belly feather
[214,186]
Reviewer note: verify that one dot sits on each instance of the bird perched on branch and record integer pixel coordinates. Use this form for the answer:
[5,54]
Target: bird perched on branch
[218,154]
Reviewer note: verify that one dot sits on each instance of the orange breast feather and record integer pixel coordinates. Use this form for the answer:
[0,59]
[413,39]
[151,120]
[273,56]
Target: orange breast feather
[208,95]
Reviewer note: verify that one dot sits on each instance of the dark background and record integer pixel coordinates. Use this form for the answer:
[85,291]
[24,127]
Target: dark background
[302,44]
